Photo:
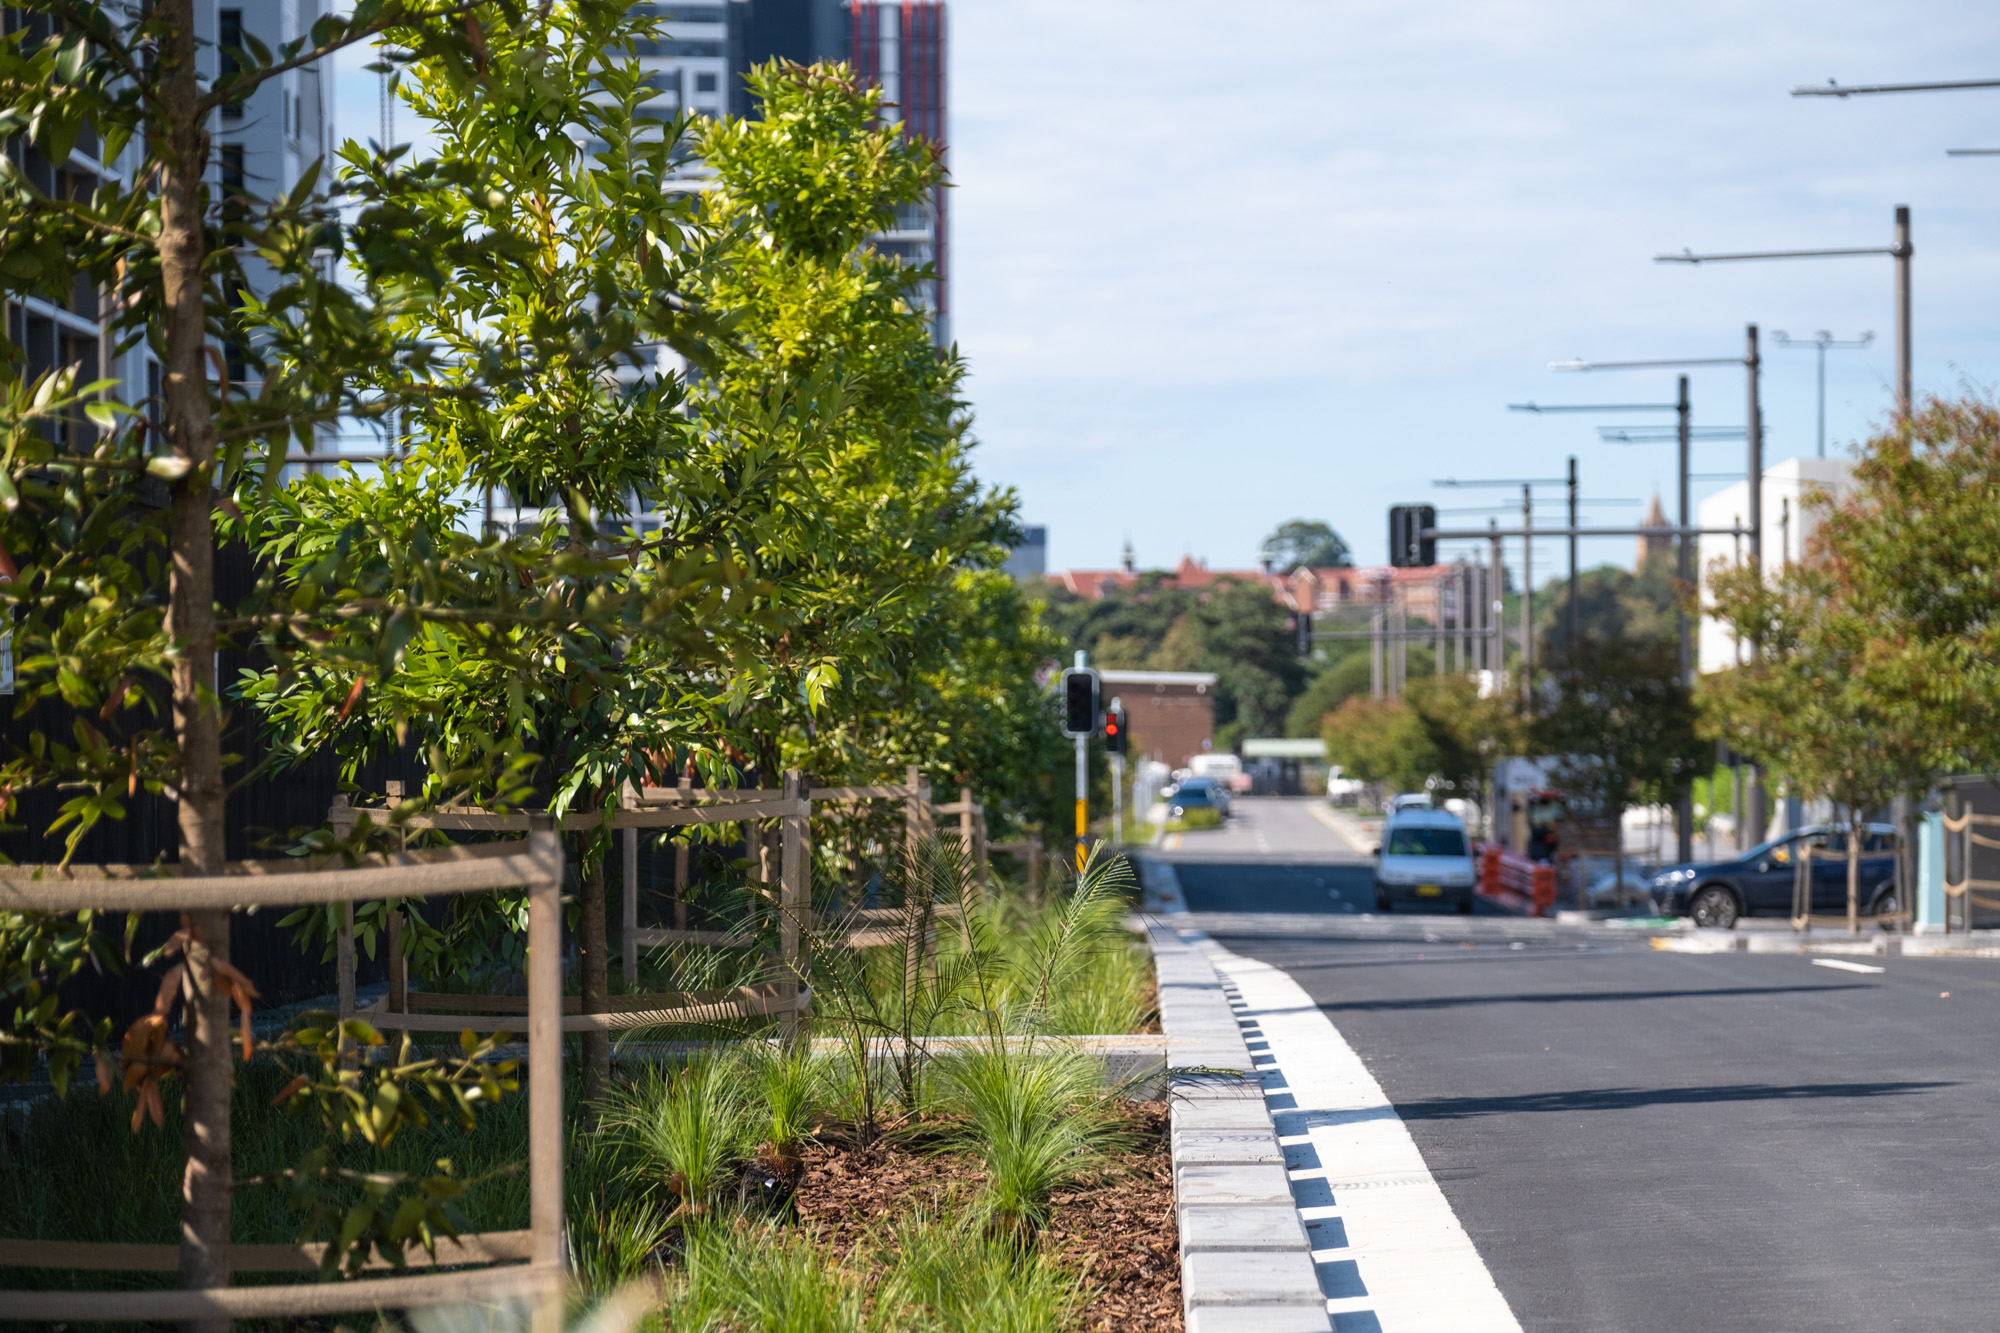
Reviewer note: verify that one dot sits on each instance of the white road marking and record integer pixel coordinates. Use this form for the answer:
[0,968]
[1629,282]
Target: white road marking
[1421,1270]
[1846,966]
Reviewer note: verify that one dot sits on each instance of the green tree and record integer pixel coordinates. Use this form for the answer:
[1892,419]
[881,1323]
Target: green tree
[1612,603]
[112,594]
[1876,663]
[1381,742]
[556,253]
[1306,542]
[1621,728]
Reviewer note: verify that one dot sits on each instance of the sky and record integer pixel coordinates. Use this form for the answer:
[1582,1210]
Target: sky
[1216,266]
[1219,265]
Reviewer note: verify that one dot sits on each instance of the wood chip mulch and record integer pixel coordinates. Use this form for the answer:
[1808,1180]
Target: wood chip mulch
[1118,1233]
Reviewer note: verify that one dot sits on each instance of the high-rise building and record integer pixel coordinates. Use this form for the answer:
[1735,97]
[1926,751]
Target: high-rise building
[261,147]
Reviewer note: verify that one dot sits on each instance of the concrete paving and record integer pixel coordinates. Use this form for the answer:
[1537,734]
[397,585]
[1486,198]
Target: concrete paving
[1639,1139]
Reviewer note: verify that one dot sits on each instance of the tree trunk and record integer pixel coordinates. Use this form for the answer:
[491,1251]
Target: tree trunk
[594,944]
[1853,872]
[190,433]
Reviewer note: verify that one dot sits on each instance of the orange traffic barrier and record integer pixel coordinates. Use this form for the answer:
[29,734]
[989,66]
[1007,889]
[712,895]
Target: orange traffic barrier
[1515,882]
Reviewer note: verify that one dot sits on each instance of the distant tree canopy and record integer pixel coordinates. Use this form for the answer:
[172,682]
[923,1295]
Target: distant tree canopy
[1237,630]
[1306,542]
[1612,604]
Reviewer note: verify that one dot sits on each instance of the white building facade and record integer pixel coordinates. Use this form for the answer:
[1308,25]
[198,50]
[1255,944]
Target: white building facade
[1793,496]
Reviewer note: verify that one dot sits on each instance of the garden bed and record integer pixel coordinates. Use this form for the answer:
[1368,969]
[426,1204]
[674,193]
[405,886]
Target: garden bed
[1117,1233]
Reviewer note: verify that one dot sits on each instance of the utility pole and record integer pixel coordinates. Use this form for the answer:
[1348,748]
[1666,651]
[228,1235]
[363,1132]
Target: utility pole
[1573,640]
[1753,801]
[1684,580]
[1820,342]
[1527,597]
[1493,606]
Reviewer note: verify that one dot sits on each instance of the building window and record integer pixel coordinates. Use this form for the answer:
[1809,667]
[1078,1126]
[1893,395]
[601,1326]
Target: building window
[231,165]
[704,83]
[229,40]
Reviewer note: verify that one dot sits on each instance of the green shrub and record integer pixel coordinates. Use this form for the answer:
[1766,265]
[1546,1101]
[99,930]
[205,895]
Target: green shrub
[1199,817]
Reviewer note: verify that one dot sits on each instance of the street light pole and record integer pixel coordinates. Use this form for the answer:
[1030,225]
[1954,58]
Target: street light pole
[1901,251]
[1820,342]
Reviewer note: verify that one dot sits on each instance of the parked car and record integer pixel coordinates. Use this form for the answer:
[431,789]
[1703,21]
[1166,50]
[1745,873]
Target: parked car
[1213,790]
[1194,795]
[1424,857]
[1759,883]
[1603,889]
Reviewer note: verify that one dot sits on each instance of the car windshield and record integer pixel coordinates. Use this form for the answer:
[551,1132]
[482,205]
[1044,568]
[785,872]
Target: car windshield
[1196,796]
[1420,841]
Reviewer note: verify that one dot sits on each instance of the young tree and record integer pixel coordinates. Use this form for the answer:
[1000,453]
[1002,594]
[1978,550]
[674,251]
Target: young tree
[556,251]
[1877,652]
[1621,728]
[112,592]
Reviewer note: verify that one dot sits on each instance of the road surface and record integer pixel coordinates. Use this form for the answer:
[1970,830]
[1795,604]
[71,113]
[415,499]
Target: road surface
[1641,1140]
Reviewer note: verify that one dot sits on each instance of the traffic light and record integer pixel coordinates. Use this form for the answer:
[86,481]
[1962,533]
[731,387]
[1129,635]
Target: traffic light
[1115,738]
[1408,547]
[1079,702]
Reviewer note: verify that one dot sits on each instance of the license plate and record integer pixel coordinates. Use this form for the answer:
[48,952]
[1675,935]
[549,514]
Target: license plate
[1428,891]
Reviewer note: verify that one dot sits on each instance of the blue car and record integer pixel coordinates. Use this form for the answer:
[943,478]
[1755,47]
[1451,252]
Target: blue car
[1759,882]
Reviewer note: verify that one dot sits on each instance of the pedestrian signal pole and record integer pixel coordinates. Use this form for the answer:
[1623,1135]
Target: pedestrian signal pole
[1114,745]
[1080,723]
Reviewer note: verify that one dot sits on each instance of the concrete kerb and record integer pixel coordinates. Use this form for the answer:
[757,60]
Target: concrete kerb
[1246,1265]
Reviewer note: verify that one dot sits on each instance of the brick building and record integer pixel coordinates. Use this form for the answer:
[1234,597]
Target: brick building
[1171,713]
[1314,590]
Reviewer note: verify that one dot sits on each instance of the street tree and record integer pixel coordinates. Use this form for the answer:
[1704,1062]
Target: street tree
[109,520]
[1620,729]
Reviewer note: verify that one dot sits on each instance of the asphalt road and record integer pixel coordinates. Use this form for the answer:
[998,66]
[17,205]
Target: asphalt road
[1641,1140]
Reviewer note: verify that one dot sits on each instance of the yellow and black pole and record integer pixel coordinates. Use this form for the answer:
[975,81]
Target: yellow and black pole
[1080,712]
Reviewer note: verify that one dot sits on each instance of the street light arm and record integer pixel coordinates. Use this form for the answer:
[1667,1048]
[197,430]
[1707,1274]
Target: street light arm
[1833,89]
[1690,257]
[1593,407]
[1647,365]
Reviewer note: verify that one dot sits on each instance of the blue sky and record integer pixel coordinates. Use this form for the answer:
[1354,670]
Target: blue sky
[1220,265]
[1217,265]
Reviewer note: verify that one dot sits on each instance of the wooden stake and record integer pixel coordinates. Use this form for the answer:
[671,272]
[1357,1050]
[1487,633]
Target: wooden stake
[629,918]
[794,900]
[545,1088]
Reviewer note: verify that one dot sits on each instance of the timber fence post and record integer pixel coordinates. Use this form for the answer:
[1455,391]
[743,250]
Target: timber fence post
[794,900]
[545,1085]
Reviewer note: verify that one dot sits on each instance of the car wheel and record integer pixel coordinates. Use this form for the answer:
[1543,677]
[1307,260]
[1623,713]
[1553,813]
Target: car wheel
[1714,908]
[1885,904]
[1382,903]
[1465,905]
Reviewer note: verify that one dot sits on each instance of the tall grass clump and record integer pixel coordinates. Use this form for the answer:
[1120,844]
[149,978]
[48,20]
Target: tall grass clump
[682,1131]
[751,1278]
[794,1088]
[1037,1120]
[956,1278]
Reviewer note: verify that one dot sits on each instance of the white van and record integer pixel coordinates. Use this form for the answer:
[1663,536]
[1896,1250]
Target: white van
[1425,857]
